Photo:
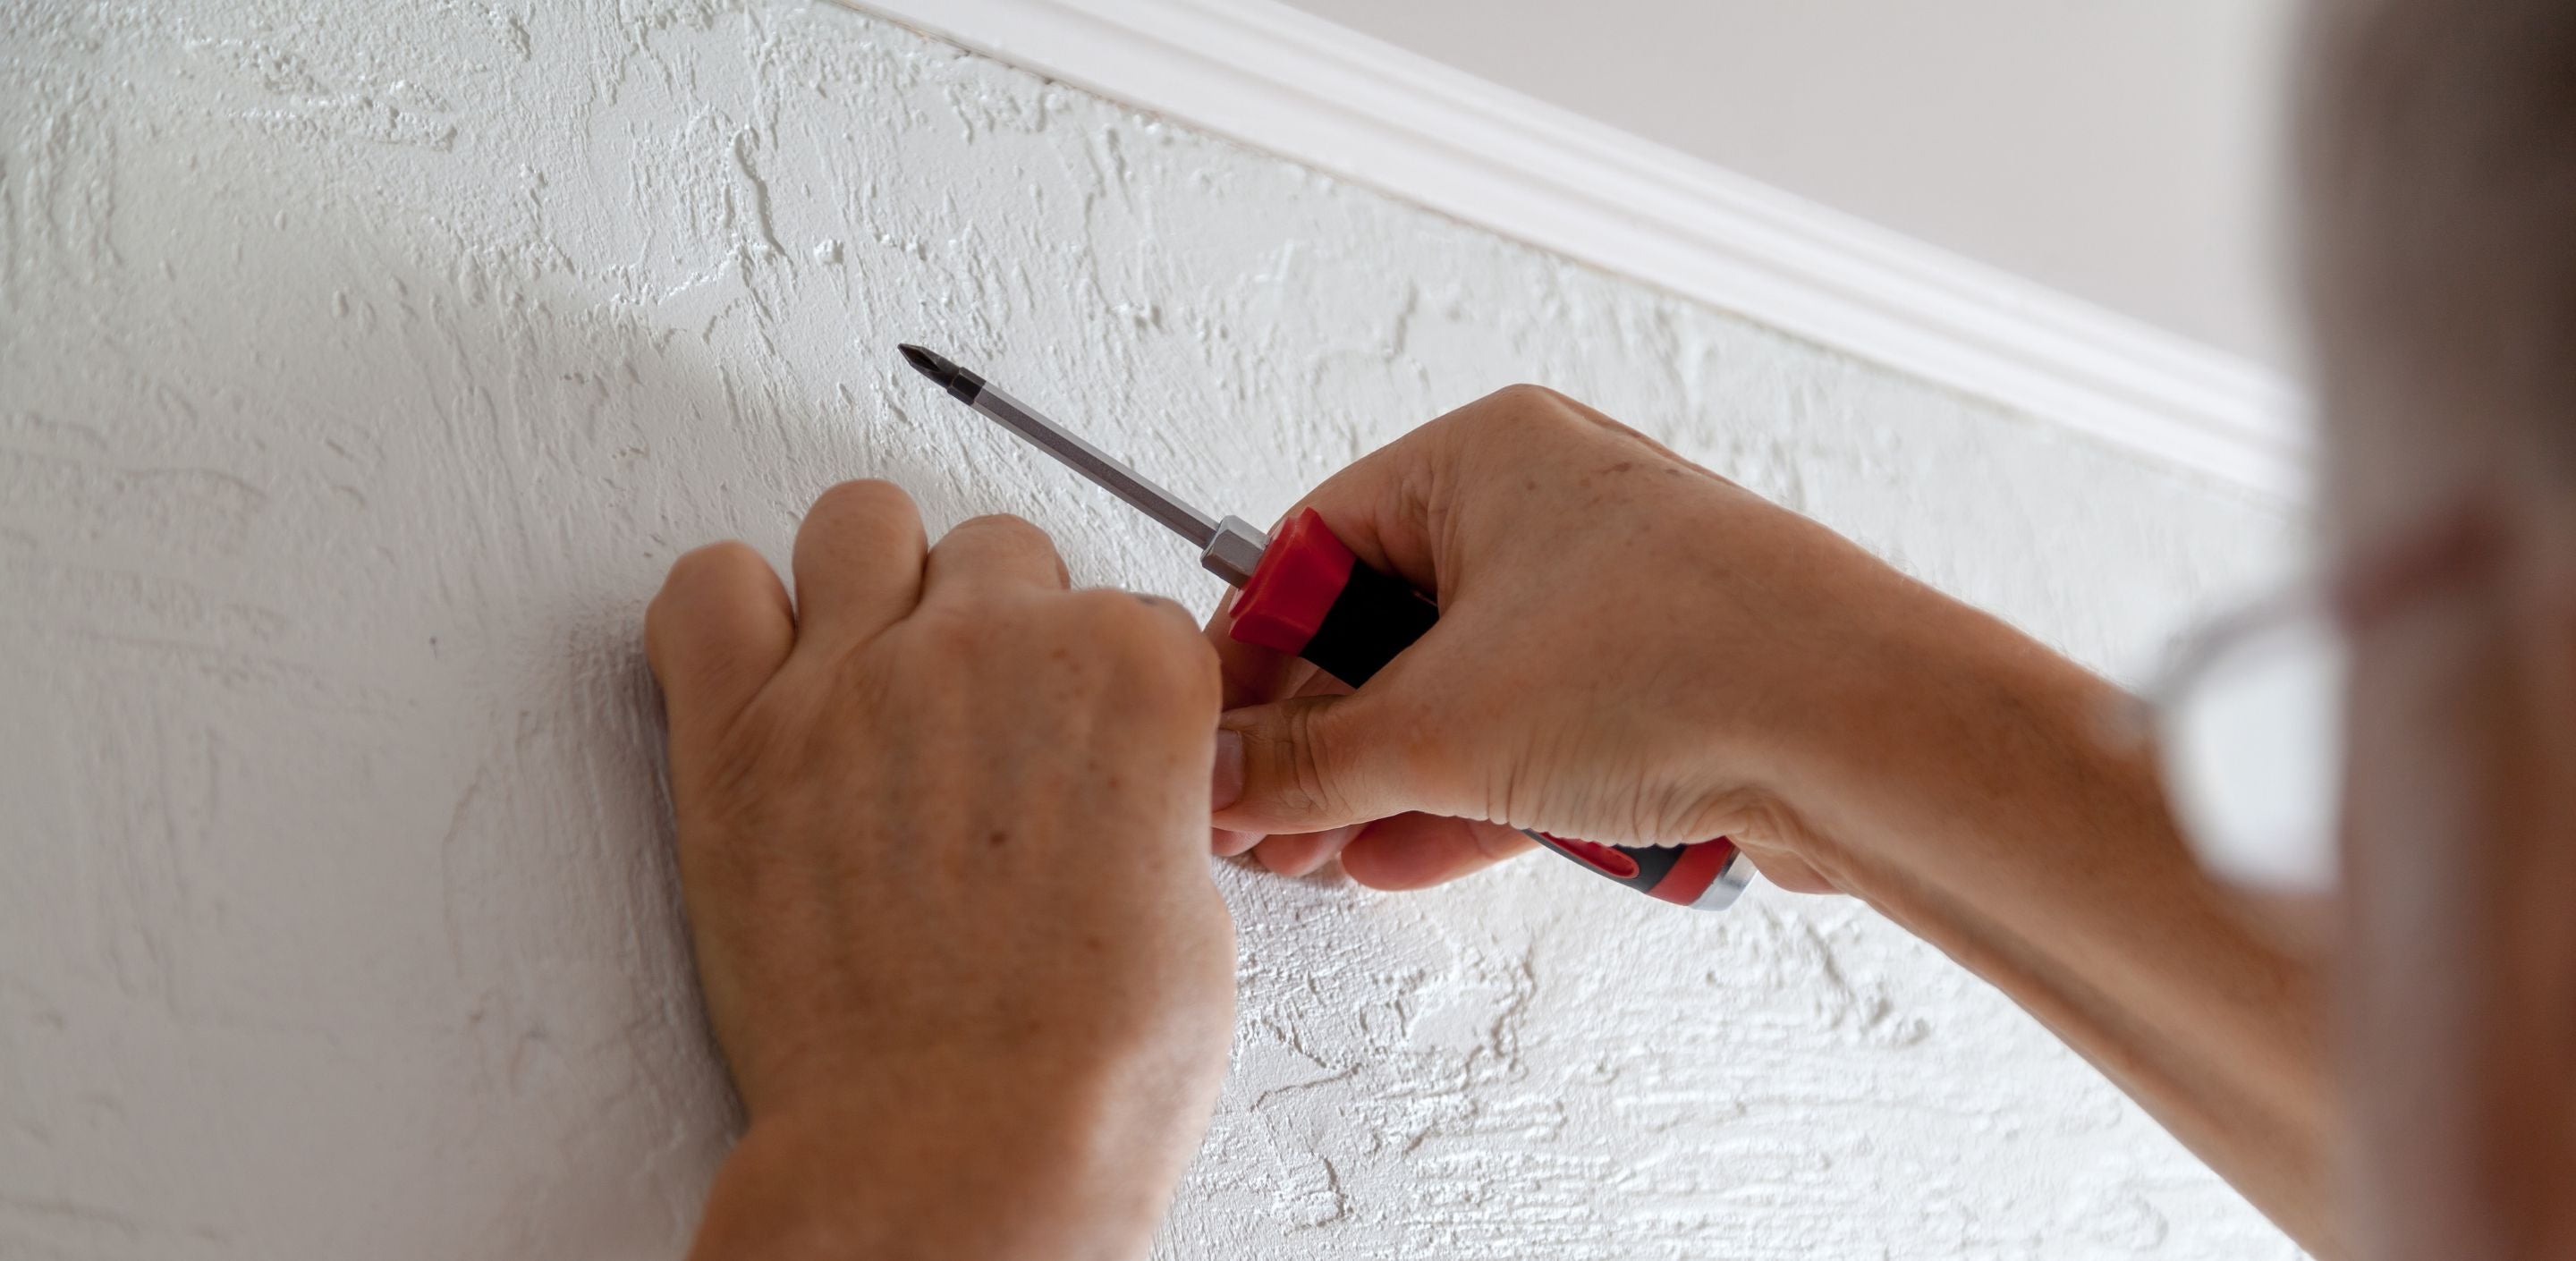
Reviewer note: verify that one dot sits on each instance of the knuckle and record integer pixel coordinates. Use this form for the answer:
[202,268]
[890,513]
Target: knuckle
[1094,611]
[1514,413]
[1527,404]
[1524,396]
[1109,611]
[1303,782]
[1006,526]
[960,632]
[1001,535]
[1112,620]
[690,591]
[866,499]
[697,566]
[1147,643]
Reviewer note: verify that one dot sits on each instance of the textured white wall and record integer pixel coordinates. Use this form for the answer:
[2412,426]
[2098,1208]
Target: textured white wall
[361,370]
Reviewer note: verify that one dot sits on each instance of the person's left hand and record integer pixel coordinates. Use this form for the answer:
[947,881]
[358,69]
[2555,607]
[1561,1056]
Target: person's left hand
[942,837]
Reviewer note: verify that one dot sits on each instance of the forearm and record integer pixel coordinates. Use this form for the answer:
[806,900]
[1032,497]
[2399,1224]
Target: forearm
[1999,818]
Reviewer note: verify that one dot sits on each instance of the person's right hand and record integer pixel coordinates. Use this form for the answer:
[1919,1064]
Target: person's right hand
[1630,650]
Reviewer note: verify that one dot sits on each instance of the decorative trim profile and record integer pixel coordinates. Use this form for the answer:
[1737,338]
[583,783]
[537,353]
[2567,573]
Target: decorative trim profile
[1333,99]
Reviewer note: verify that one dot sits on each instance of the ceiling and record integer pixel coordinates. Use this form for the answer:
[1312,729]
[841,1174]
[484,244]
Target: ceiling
[2125,153]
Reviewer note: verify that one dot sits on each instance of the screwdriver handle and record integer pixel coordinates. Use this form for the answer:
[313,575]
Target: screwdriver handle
[1311,597]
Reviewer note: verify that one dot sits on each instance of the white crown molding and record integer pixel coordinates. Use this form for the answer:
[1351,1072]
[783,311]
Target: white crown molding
[1330,98]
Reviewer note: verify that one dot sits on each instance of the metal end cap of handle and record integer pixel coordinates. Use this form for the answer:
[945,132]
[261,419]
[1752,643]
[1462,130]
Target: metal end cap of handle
[1729,885]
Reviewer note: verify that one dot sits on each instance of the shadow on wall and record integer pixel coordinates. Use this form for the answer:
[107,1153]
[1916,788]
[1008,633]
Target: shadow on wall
[337,568]
[562,453]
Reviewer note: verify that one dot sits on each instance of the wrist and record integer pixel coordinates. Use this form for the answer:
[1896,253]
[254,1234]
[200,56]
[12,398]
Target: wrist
[943,1159]
[1946,732]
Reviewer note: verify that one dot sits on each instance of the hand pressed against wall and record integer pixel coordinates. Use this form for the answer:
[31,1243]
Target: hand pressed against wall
[941,830]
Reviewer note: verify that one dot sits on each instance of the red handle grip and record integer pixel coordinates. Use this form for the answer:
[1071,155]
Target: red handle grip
[1312,598]
[1704,875]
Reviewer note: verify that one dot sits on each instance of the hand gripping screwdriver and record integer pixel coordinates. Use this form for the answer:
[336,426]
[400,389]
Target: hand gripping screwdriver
[1305,594]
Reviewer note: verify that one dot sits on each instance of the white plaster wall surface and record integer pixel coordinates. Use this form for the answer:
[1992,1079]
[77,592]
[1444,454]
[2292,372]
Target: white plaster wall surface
[361,369]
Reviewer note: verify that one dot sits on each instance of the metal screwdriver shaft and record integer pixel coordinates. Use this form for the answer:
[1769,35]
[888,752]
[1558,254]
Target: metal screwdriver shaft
[1229,548]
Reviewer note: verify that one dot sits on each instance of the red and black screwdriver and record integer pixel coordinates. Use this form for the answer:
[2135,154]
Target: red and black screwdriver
[1305,594]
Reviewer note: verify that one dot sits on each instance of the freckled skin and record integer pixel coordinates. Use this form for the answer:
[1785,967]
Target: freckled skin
[944,889]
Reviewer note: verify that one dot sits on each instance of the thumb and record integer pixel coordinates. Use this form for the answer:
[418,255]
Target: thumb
[1308,764]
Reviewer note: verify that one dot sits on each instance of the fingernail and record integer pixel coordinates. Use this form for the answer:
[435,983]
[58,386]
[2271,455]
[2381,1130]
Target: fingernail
[1227,843]
[1225,786]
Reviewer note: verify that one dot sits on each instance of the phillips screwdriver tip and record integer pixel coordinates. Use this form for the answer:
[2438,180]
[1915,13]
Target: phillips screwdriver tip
[927,364]
[961,385]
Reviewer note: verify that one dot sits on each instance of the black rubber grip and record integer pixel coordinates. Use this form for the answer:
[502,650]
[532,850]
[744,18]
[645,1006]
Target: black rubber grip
[1654,862]
[1375,617]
